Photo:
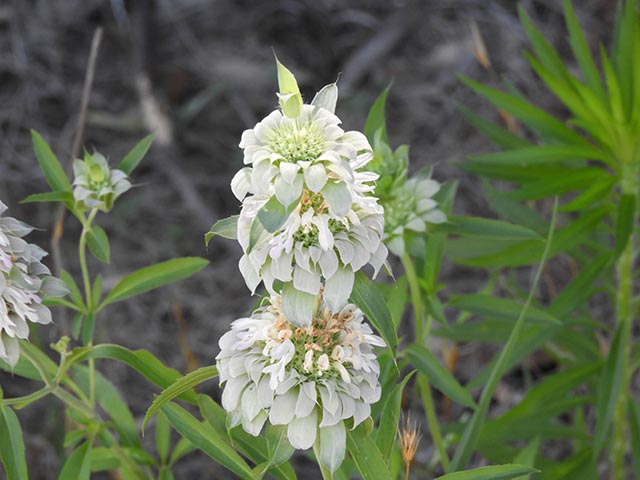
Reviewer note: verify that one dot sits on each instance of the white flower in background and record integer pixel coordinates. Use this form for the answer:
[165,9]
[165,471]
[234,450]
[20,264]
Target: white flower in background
[95,185]
[310,379]
[411,208]
[24,282]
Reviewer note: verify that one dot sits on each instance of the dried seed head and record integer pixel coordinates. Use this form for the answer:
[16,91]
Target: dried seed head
[409,440]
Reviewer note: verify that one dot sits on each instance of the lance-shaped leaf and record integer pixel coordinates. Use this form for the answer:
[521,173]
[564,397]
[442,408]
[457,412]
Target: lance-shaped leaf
[499,472]
[326,98]
[137,153]
[53,171]
[226,227]
[12,445]
[289,95]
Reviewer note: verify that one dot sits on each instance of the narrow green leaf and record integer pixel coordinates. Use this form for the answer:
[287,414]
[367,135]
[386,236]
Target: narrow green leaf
[598,191]
[500,472]
[278,446]
[53,171]
[130,162]
[162,436]
[625,222]
[473,428]
[183,385]
[533,116]
[634,423]
[493,307]
[75,295]
[207,440]
[289,96]
[388,428]
[98,243]
[609,388]
[558,185]
[155,276]
[78,465]
[429,365]
[485,227]
[63,196]
[365,454]
[376,118]
[110,400]
[500,136]
[140,360]
[226,227]
[367,297]
[527,456]
[543,155]
[581,51]
[12,453]
[613,86]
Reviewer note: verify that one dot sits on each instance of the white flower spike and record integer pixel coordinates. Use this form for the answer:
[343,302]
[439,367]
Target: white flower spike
[311,379]
[24,282]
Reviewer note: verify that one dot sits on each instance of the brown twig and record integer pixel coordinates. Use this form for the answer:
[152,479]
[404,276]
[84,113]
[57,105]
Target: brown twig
[58,226]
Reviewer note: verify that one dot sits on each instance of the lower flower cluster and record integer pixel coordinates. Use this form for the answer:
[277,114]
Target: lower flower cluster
[308,378]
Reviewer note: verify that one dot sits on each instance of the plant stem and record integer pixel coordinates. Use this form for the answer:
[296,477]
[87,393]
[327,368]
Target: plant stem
[421,338]
[82,255]
[624,314]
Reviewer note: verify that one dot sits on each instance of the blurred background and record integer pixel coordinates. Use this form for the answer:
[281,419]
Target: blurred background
[199,72]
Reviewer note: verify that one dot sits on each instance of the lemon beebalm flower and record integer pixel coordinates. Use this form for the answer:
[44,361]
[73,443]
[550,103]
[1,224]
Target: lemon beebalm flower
[411,208]
[311,380]
[24,282]
[96,185]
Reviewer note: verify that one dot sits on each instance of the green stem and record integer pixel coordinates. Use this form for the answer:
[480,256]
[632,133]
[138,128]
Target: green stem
[82,255]
[421,338]
[624,314]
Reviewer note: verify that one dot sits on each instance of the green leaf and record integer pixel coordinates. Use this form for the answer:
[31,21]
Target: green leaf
[62,196]
[500,136]
[137,153]
[278,446]
[474,425]
[493,307]
[581,51]
[486,228]
[162,436]
[207,440]
[12,446]
[609,388]
[98,244]
[429,365]
[75,295]
[634,423]
[273,214]
[598,191]
[289,96]
[527,456]
[500,472]
[543,155]
[625,222]
[226,227]
[388,428]
[533,116]
[376,118]
[183,385]
[140,360]
[53,171]
[109,398]
[368,298]
[557,185]
[155,276]
[365,454]
[78,465]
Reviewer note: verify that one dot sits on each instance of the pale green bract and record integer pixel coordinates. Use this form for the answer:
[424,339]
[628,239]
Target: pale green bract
[96,185]
[411,208]
[310,379]
[24,282]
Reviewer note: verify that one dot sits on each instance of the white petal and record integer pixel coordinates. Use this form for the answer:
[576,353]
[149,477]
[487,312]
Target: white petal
[288,193]
[328,263]
[316,177]
[338,198]
[363,410]
[288,171]
[306,281]
[306,400]
[333,441]
[241,183]
[254,426]
[232,392]
[302,431]
[283,408]
[298,307]
[250,405]
[434,216]
[249,273]
[338,288]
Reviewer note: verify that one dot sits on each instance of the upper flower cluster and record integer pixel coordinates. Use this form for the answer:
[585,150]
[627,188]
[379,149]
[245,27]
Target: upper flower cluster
[310,378]
[95,185]
[24,282]
[308,217]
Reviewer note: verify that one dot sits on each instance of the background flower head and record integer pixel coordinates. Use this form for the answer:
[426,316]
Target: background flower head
[24,282]
[96,185]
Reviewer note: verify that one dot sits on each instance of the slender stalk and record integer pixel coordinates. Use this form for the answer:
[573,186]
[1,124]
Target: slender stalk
[423,383]
[82,255]
[624,318]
